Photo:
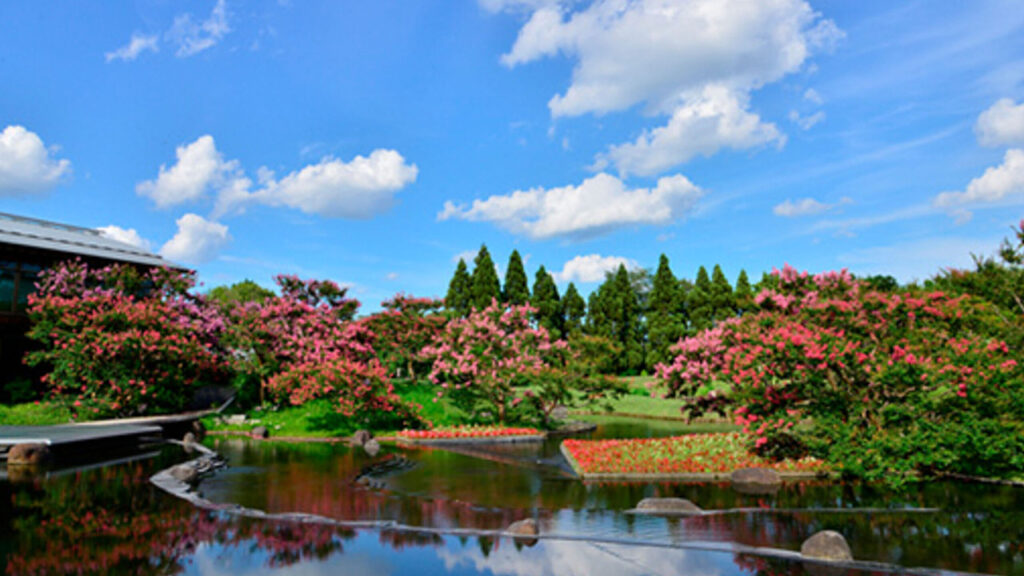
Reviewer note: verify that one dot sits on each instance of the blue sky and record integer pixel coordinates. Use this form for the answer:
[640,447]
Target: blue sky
[374,142]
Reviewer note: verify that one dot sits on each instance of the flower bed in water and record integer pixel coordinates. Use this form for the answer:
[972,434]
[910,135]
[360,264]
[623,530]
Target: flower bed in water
[454,433]
[684,455]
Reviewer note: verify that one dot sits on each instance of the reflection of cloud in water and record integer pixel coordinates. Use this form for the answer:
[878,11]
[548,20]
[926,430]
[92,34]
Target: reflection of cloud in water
[586,559]
[242,560]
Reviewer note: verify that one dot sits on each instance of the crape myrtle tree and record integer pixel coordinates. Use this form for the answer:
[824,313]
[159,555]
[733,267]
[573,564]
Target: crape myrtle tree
[546,303]
[459,299]
[404,327]
[516,290]
[485,286]
[893,384]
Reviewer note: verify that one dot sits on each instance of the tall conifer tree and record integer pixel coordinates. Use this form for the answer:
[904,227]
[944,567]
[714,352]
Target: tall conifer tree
[723,303]
[546,301]
[698,303]
[574,310]
[664,322]
[485,280]
[627,319]
[517,291]
[744,295]
[460,298]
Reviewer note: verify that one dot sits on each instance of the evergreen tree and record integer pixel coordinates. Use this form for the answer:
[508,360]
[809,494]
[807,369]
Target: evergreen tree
[664,322]
[698,303]
[744,294]
[545,300]
[628,321]
[723,302]
[485,280]
[517,291]
[460,298]
[574,310]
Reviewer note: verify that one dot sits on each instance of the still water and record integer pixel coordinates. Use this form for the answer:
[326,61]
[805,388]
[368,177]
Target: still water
[110,520]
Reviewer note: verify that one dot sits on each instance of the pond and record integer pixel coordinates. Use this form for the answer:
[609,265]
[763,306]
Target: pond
[112,520]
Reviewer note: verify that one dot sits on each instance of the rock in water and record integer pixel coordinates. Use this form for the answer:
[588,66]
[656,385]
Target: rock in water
[361,437]
[527,527]
[198,429]
[28,455]
[185,473]
[372,447]
[668,506]
[260,432]
[756,481]
[827,545]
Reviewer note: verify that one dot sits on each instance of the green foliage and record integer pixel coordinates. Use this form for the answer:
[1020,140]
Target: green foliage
[699,303]
[35,414]
[723,303]
[460,291]
[516,291]
[744,294]
[665,324]
[239,293]
[485,287]
[547,305]
[615,314]
[574,309]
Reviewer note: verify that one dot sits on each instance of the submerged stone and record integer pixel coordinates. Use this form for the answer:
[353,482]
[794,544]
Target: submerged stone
[668,505]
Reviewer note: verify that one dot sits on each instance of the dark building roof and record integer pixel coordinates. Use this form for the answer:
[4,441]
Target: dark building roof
[73,240]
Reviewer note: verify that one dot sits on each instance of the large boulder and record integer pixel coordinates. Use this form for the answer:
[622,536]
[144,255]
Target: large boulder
[260,432]
[668,506]
[827,545]
[28,455]
[372,447]
[185,473]
[361,437]
[756,481]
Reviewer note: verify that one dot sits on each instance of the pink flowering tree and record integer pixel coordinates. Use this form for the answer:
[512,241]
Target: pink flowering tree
[119,342]
[479,360]
[881,384]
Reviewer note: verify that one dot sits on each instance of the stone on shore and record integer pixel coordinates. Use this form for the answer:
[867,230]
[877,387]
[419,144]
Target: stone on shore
[260,432]
[756,481]
[361,437]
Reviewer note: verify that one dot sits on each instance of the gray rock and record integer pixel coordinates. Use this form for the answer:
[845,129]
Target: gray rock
[668,505]
[372,447]
[235,419]
[560,412]
[527,527]
[827,545]
[189,438]
[756,481]
[361,437]
[28,455]
[260,432]
[185,473]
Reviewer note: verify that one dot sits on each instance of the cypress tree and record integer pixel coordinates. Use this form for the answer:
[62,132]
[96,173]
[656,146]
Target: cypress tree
[627,321]
[744,295]
[664,325]
[485,280]
[459,298]
[574,309]
[698,303]
[516,291]
[722,300]
[545,300]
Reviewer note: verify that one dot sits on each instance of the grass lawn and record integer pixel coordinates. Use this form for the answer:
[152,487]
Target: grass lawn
[32,414]
[639,402]
[689,454]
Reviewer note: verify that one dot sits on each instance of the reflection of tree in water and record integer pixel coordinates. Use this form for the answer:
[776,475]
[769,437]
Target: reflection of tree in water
[113,521]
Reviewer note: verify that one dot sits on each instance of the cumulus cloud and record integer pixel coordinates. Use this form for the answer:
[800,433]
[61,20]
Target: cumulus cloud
[599,205]
[128,236]
[592,268]
[999,183]
[193,37]
[199,170]
[27,166]
[706,123]
[806,122]
[667,55]
[805,207]
[359,189]
[197,240]
[1001,125]
[138,44]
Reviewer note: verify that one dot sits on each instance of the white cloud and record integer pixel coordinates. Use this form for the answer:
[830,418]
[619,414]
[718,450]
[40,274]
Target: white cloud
[138,44]
[360,188]
[198,240]
[194,37]
[129,236]
[600,204]
[806,122]
[713,120]
[668,55]
[811,95]
[27,166]
[200,169]
[467,255]
[517,5]
[592,268]
[1002,124]
[805,207]
[998,183]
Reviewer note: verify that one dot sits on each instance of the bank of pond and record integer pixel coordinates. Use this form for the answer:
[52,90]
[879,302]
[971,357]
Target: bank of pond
[437,510]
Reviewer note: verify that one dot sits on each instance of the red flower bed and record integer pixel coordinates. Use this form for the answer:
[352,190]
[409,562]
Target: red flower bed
[467,432]
[689,454]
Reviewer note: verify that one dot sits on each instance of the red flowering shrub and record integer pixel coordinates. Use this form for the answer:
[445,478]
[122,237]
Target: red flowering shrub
[121,342]
[891,383]
[467,432]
